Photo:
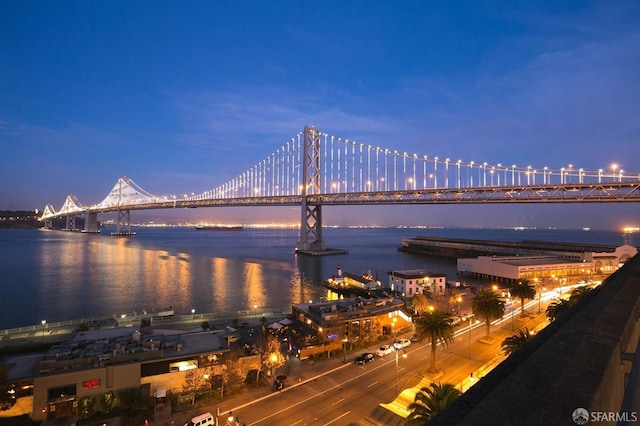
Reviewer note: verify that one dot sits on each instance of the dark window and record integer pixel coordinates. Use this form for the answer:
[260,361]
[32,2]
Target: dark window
[61,392]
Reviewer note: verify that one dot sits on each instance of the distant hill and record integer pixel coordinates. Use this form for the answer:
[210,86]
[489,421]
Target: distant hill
[19,219]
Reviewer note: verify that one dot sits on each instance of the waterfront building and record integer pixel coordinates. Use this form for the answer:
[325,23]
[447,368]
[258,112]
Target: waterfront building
[94,363]
[417,281]
[569,266]
[347,322]
[156,362]
[514,268]
[606,258]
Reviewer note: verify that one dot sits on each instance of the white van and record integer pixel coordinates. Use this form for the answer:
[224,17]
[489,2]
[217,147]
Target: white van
[205,419]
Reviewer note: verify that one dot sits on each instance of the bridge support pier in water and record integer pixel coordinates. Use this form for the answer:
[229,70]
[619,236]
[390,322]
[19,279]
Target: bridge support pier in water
[91,223]
[311,241]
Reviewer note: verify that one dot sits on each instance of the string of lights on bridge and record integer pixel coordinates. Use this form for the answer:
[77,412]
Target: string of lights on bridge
[349,167]
[351,173]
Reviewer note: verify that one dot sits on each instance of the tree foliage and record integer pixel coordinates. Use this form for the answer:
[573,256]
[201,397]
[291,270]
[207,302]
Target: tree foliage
[487,306]
[516,341]
[557,308]
[420,304]
[430,401]
[434,328]
[560,306]
[523,289]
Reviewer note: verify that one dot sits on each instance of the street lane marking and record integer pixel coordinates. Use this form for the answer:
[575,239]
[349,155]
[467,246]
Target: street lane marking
[372,384]
[341,399]
[337,418]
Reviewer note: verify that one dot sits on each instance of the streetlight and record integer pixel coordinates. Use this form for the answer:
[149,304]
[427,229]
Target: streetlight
[393,327]
[344,348]
[43,324]
[255,309]
[470,318]
[404,355]
[459,299]
[193,316]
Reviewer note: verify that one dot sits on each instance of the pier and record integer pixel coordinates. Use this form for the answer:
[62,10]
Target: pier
[461,247]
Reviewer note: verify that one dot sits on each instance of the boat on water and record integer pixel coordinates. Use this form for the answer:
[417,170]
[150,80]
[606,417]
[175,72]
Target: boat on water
[351,284]
[203,227]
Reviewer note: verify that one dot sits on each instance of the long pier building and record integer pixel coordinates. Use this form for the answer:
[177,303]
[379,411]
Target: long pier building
[533,260]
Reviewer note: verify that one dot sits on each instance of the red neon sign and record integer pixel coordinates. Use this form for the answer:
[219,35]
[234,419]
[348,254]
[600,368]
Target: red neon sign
[91,384]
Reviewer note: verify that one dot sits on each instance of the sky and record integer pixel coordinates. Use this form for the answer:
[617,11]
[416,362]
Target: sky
[183,96]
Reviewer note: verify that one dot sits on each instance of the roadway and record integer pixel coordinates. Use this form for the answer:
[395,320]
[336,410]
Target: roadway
[334,392]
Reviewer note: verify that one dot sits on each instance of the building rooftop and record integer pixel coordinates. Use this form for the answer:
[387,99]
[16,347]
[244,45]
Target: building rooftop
[532,260]
[415,273]
[97,348]
[349,308]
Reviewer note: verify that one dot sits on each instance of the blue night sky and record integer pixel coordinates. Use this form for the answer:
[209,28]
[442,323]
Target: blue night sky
[183,96]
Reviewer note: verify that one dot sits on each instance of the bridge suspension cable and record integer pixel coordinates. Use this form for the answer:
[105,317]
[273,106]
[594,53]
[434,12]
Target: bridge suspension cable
[347,166]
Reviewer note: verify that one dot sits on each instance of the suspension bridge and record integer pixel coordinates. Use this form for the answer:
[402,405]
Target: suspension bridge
[315,169]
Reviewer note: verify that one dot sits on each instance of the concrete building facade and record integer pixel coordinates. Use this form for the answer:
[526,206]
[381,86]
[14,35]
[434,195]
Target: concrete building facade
[417,281]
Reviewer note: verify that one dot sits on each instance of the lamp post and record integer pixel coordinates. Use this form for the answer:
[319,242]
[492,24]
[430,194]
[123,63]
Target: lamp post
[470,318]
[393,327]
[43,322]
[255,310]
[459,300]
[344,349]
[193,316]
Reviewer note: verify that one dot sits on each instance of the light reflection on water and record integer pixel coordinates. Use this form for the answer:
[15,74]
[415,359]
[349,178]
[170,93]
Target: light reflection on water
[58,275]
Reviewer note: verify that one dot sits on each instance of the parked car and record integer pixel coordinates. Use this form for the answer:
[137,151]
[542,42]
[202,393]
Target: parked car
[466,317]
[205,419]
[401,344]
[384,350]
[365,358]
[454,321]
[414,338]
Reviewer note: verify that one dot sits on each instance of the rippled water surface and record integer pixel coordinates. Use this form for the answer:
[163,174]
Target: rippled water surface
[61,275]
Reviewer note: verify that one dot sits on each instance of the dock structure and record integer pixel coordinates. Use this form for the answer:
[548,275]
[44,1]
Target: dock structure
[516,260]
[462,247]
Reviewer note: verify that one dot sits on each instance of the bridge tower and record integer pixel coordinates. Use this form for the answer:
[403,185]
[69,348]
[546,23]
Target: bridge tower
[123,226]
[311,223]
[71,222]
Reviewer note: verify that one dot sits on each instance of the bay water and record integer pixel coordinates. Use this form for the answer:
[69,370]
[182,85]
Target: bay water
[57,276]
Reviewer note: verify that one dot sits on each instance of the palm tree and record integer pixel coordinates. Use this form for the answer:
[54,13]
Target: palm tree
[487,306]
[524,290]
[430,401]
[434,328]
[555,309]
[516,340]
[578,293]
